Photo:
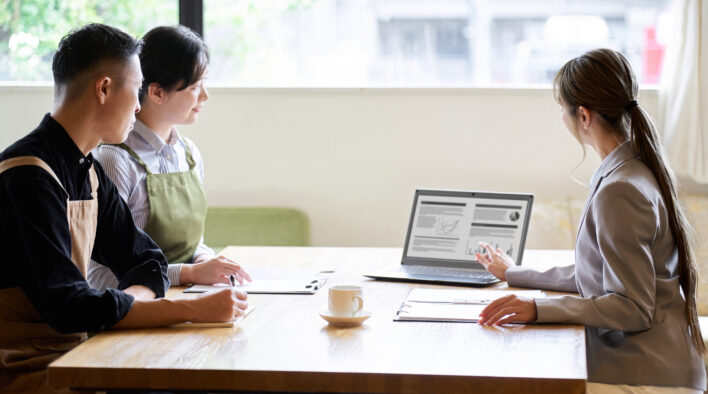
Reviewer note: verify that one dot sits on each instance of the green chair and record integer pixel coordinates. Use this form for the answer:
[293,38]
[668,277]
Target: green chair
[256,226]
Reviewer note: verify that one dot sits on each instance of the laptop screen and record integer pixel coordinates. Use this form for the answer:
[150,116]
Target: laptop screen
[447,226]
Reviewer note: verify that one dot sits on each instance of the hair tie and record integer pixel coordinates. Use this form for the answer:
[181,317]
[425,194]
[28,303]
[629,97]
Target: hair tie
[630,105]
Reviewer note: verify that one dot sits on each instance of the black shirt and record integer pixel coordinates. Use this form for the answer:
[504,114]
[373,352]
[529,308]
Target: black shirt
[36,243]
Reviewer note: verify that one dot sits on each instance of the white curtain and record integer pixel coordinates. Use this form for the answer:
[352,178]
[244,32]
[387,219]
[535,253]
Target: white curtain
[683,94]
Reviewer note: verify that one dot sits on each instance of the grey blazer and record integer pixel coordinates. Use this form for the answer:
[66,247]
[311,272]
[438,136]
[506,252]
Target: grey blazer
[626,274]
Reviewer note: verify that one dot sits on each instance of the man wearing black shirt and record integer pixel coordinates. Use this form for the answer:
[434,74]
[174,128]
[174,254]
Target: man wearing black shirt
[58,209]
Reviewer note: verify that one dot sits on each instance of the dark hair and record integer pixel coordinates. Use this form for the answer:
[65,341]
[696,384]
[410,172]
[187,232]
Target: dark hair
[85,48]
[173,57]
[602,80]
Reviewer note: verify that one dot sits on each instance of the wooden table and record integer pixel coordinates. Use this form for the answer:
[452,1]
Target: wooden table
[284,345]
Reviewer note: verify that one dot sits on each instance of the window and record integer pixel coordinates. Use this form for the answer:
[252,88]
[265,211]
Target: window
[423,42]
[31,29]
[334,43]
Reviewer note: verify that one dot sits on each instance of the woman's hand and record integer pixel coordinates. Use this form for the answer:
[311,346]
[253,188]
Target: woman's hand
[509,309]
[208,271]
[495,261]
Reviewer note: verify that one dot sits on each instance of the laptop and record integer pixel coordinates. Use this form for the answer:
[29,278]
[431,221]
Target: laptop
[444,232]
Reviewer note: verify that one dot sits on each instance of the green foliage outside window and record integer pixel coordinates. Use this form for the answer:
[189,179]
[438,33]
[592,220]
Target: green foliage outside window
[31,29]
[243,31]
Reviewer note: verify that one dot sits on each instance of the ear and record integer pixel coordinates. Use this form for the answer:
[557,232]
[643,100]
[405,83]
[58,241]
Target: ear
[584,117]
[156,93]
[103,88]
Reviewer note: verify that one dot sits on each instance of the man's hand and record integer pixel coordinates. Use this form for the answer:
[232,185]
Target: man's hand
[218,306]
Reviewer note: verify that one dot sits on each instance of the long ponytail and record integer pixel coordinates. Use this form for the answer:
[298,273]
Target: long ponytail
[602,80]
[645,141]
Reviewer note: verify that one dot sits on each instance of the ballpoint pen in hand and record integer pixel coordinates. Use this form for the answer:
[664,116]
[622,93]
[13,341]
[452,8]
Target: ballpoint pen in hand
[232,279]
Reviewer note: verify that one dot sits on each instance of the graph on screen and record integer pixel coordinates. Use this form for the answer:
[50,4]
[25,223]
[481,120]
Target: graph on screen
[447,226]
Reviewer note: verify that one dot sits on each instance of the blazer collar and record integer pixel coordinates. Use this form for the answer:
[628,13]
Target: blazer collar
[622,153]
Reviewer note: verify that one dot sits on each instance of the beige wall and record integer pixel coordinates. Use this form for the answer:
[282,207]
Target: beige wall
[351,158]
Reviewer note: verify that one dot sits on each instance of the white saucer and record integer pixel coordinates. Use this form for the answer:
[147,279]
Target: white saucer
[345,321]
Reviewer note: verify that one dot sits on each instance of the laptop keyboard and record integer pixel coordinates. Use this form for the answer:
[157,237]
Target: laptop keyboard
[450,272]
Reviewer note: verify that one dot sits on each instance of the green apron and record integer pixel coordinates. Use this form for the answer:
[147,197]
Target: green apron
[178,208]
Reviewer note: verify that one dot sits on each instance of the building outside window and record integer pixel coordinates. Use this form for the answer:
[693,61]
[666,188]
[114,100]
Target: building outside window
[424,42]
[362,43]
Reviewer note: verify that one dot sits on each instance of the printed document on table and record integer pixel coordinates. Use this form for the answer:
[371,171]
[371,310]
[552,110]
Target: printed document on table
[470,295]
[443,305]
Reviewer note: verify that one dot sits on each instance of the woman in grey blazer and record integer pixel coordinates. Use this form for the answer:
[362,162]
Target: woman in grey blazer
[634,267]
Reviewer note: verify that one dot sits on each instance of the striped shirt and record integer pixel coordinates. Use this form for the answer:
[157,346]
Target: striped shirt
[130,178]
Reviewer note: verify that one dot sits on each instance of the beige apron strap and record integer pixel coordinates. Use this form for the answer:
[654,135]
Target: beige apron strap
[81,214]
[30,161]
[83,221]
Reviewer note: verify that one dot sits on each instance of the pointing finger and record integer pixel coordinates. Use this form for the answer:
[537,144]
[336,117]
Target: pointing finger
[482,260]
[489,249]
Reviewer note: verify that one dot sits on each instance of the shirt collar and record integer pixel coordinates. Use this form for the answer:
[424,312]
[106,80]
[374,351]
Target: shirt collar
[152,138]
[59,138]
[622,153]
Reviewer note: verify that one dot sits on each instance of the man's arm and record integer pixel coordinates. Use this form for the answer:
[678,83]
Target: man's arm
[218,306]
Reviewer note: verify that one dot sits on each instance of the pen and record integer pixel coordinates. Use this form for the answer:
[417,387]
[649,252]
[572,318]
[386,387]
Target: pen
[232,279]
[471,301]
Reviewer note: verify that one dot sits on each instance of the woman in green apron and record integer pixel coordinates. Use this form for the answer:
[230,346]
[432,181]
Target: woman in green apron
[159,172]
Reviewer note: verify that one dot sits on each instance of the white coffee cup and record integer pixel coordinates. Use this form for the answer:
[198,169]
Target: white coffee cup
[345,300]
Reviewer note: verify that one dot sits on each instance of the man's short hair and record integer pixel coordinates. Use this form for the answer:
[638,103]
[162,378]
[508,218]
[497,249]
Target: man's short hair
[86,48]
[174,57]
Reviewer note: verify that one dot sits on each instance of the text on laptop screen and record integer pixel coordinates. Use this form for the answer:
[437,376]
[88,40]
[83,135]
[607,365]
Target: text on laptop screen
[447,227]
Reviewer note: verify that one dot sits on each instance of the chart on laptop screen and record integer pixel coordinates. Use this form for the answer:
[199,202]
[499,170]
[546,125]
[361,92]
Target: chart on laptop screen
[446,227]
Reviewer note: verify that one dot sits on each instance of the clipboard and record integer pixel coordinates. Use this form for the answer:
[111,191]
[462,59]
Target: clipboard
[439,312]
[460,306]
[268,286]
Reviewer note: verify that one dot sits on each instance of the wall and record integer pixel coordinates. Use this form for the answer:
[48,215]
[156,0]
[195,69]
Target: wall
[351,158]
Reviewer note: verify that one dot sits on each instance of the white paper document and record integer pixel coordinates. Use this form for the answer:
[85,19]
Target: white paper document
[268,286]
[443,305]
[469,295]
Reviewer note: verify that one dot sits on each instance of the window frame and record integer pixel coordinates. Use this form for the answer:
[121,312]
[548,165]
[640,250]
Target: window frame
[191,15]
